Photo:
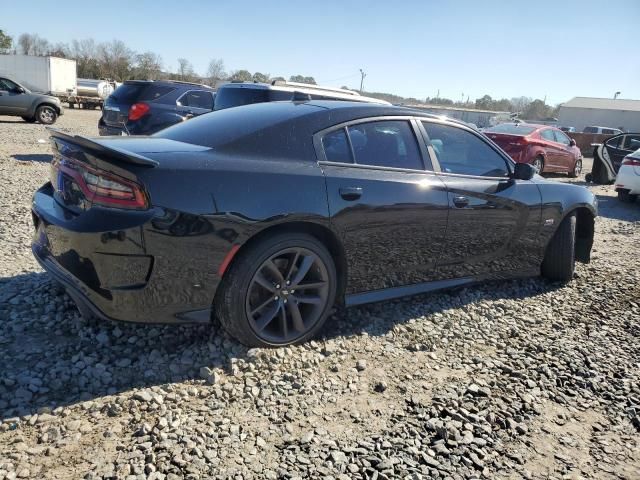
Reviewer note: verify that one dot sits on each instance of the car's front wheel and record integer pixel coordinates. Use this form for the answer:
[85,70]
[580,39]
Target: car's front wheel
[577,169]
[46,114]
[559,260]
[280,291]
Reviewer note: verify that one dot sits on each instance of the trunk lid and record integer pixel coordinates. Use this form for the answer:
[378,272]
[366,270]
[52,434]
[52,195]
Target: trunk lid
[514,145]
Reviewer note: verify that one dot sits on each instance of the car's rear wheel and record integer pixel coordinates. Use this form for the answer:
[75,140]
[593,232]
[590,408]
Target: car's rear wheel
[625,196]
[538,164]
[278,292]
[559,260]
[577,169]
[46,115]
[29,119]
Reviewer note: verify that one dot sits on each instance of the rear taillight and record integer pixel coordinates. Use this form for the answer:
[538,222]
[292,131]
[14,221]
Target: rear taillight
[98,186]
[631,162]
[138,110]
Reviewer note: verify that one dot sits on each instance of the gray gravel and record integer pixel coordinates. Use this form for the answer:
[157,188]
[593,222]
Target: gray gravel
[521,379]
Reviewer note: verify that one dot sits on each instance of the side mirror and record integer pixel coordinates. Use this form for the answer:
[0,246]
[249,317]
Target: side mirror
[524,171]
[572,143]
[20,90]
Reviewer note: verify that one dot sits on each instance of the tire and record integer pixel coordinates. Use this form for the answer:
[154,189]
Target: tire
[29,119]
[577,169]
[242,291]
[538,164]
[559,259]
[625,197]
[46,114]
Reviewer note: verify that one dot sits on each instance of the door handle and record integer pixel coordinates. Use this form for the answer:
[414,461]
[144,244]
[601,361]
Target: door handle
[350,193]
[460,201]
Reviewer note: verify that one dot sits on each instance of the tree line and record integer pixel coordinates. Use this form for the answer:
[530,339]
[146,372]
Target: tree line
[114,60]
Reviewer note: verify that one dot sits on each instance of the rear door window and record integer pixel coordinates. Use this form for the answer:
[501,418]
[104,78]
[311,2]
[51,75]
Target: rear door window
[548,135]
[590,130]
[197,99]
[460,151]
[387,143]
[631,142]
[336,147]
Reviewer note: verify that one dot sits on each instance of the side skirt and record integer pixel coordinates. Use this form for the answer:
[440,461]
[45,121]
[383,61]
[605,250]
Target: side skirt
[426,287]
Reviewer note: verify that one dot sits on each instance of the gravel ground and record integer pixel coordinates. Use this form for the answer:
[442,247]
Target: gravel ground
[521,379]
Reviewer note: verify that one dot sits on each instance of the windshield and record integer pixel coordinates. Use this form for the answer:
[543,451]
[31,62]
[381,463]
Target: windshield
[512,129]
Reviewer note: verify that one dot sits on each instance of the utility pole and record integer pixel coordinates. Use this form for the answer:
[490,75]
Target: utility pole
[362,75]
[616,95]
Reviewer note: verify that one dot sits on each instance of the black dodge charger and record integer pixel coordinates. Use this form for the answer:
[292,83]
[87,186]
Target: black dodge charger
[266,216]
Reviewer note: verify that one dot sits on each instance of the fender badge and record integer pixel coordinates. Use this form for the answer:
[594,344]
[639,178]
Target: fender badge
[548,222]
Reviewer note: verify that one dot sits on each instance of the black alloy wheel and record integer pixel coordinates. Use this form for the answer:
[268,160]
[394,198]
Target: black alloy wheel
[278,291]
[287,295]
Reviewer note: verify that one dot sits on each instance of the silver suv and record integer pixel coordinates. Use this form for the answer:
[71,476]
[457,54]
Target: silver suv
[19,101]
[244,93]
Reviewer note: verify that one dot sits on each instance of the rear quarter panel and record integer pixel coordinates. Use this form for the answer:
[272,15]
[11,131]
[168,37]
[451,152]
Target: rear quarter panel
[204,206]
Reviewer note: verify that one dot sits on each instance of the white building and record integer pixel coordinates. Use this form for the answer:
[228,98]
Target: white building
[580,112]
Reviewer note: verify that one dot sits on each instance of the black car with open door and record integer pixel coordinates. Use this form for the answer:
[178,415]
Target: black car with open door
[608,156]
[265,216]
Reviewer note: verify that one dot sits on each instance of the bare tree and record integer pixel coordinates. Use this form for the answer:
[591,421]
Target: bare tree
[185,69]
[116,60]
[85,53]
[148,66]
[215,72]
[260,77]
[32,44]
[241,76]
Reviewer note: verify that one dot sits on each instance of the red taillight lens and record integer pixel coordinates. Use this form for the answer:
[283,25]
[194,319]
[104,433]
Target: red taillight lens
[100,187]
[138,110]
[631,162]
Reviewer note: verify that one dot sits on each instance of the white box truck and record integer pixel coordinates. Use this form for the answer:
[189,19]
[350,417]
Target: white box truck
[51,75]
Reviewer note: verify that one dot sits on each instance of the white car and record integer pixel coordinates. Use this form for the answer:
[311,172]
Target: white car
[628,179]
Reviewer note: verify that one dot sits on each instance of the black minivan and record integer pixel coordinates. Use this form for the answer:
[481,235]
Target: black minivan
[143,107]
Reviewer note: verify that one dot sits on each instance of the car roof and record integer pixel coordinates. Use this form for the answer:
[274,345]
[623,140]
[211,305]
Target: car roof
[167,82]
[311,89]
[361,110]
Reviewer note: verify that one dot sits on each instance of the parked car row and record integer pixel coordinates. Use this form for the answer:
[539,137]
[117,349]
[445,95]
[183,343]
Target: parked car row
[146,107]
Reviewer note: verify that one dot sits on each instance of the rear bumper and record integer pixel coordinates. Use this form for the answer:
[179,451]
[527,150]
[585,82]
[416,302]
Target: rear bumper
[107,130]
[628,179]
[112,269]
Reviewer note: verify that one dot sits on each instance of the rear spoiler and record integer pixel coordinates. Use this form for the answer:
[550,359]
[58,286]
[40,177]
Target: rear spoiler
[96,147]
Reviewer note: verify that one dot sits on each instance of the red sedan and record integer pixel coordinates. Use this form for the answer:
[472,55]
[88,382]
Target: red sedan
[547,148]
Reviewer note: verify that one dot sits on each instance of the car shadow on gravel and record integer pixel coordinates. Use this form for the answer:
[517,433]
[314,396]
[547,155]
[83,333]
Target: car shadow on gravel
[52,357]
[33,157]
[611,207]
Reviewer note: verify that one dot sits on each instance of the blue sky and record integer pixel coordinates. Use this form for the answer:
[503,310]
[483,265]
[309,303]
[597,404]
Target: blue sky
[555,48]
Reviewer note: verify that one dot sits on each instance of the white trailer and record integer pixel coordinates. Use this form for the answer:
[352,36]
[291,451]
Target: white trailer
[51,75]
